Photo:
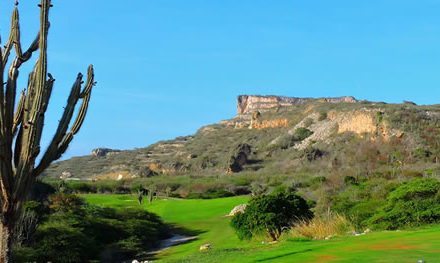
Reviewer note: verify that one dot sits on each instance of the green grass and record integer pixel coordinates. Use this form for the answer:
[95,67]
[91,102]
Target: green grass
[207,218]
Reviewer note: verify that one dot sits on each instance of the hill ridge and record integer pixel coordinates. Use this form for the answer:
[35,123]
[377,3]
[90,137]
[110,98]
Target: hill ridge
[272,136]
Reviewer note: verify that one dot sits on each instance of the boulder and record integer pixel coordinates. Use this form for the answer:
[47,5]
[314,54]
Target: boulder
[238,209]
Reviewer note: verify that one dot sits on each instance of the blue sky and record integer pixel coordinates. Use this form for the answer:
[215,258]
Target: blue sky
[166,67]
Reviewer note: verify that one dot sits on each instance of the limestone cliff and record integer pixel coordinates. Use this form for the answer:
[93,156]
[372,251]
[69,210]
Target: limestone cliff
[247,104]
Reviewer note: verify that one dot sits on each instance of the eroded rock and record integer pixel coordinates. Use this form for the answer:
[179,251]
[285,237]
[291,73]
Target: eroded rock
[102,152]
[239,209]
[239,158]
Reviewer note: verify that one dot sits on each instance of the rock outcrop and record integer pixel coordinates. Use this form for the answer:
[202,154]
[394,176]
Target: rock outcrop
[270,124]
[247,104]
[102,152]
[239,158]
[239,209]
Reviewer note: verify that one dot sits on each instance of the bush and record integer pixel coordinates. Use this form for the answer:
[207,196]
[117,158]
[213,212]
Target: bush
[72,231]
[63,243]
[359,202]
[350,180]
[41,191]
[414,203]
[323,227]
[210,194]
[322,116]
[301,134]
[81,187]
[270,215]
[66,203]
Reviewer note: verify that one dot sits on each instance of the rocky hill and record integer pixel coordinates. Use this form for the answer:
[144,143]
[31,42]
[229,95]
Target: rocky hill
[273,134]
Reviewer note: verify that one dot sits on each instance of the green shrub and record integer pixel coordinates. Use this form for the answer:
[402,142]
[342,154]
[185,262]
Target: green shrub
[318,180]
[70,230]
[414,203]
[41,191]
[24,254]
[301,134]
[287,141]
[66,203]
[210,194]
[322,116]
[63,243]
[270,215]
[81,187]
[350,180]
[360,201]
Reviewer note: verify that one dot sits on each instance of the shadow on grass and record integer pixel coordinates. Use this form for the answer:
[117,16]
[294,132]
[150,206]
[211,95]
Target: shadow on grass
[284,255]
[178,236]
[179,230]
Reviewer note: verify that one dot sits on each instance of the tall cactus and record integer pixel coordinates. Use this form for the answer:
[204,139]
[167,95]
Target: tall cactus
[21,123]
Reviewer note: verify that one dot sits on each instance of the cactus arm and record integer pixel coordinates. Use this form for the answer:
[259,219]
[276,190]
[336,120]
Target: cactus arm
[76,125]
[62,126]
[7,51]
[2,95]
[15,32]
[11,84]
[4,60]
[6,171]
[62,138]
[9,99]
[40,124]
[32,133]
[10,43]
[28,53]
[18,117]
[1,76]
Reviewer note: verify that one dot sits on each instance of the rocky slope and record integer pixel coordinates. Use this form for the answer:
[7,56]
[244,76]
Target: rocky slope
[276,134]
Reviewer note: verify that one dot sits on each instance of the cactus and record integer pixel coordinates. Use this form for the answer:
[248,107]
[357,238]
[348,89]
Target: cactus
[22,121]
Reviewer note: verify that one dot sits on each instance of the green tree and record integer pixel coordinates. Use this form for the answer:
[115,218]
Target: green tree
[412,204]
[270,215]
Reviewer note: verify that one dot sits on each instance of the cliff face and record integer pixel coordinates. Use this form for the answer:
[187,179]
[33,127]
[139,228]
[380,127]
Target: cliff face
[247,104]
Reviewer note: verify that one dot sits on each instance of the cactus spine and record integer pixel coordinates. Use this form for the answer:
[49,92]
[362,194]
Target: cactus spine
[21,123]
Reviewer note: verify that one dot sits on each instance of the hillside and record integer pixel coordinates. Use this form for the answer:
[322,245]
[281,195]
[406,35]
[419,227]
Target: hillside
[282,135]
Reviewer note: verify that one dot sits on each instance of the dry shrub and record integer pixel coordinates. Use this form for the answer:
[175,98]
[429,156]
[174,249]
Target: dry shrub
[324,227]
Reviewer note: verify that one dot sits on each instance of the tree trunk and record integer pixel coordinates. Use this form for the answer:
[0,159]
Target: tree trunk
[5,242]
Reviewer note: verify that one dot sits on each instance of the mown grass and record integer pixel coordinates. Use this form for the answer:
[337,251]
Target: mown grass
[206,217]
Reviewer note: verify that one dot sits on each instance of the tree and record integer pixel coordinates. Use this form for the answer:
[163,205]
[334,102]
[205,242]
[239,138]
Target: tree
[21,129]
[413,203]
[270,215]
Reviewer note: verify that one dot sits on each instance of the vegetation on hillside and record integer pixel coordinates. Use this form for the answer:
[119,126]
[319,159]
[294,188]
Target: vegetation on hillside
[411,204]
[414,147]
